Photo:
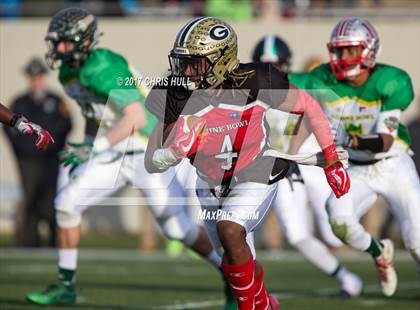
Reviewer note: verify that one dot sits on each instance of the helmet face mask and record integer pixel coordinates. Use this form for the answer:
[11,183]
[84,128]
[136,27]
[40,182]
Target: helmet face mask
[347,67]
[192,69]
[204,52]
[350,33]
[54,57]
[73,25]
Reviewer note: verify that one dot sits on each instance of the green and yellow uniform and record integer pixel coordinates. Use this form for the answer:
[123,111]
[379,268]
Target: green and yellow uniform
[371,108]
[103,86]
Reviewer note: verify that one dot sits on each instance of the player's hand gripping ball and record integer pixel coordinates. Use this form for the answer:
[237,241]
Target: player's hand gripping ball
[189,133]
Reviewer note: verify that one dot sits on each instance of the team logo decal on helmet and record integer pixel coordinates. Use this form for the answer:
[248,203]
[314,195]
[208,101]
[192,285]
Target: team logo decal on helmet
[205,52]
[219,32]
[353,32]
[74,25]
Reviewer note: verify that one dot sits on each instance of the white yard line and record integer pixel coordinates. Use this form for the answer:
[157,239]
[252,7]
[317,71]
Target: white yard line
[192,305]
[161,256]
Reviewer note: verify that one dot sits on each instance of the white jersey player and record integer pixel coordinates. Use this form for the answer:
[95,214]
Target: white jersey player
[365,101]
[304,184]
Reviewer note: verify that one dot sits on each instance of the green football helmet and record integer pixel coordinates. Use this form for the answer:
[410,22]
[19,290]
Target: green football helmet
[75,25]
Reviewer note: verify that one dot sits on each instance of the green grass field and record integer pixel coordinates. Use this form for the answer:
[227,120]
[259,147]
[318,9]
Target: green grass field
[127,280]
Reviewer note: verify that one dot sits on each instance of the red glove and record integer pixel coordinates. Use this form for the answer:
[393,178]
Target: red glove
[27,128]
[189,129]
[337,177]
[44,139]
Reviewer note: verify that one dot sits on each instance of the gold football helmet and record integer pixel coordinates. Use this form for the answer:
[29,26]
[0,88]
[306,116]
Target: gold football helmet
[205,52]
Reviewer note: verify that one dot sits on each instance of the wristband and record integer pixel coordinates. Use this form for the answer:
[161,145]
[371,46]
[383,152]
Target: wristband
[100,144]
[330,152]
[15,119]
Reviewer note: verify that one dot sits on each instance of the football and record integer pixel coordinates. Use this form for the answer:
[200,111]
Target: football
[188,122]
[192,121]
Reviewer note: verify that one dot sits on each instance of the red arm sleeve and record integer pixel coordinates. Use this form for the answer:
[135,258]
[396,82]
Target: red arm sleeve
[300,102]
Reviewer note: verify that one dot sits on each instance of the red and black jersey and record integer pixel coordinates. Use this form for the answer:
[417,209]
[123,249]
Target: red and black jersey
[237,129]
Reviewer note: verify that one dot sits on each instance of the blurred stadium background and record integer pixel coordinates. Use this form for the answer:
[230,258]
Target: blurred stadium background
[144,31]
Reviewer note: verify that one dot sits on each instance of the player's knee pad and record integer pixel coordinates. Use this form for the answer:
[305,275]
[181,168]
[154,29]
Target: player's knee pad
[68,219]
[175,228]
[341,228]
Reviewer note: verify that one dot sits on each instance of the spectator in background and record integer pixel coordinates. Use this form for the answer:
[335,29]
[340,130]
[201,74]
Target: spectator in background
[38,169]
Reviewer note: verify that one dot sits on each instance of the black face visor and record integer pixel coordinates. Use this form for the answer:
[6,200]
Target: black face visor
[194,68]
[53,55]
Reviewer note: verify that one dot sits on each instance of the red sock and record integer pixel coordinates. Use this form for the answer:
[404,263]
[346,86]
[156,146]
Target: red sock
[261,295]
[241,280]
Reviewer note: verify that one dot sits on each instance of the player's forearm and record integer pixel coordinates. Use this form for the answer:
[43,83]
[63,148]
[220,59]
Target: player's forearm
[123,129]
[301,135]
[159,154]
[132,120]
[6,115]
[315,117]
[154,145]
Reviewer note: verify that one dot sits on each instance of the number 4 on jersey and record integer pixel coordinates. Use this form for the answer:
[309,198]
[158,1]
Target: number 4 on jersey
[226,153]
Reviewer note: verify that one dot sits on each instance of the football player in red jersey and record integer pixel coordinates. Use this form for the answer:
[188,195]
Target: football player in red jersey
[25,127]
[216,108]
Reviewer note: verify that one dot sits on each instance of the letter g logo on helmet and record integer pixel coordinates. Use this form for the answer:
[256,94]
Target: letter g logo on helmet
[219,32]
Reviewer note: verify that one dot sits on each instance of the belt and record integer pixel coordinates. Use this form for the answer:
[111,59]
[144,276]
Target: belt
[118,155]
[366,163]
[268,170]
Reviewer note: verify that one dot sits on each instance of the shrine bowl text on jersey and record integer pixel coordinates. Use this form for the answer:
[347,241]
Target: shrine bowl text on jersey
[236,128]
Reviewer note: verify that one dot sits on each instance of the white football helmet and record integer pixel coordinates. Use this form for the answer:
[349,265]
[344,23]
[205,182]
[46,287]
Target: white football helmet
[353,32]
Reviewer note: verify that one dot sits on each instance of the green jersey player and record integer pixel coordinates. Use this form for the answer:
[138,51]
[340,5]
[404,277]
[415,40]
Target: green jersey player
[110,94]
[364,101]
